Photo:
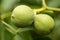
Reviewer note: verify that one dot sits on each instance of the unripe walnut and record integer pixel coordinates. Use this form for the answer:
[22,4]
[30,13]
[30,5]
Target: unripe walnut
[22,15]
[43,24]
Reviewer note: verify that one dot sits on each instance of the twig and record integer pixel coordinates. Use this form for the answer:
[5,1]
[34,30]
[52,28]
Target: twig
[55,9]
[44,3]
[9,26]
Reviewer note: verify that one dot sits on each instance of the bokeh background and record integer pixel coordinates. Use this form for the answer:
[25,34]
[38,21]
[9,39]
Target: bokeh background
[6,8]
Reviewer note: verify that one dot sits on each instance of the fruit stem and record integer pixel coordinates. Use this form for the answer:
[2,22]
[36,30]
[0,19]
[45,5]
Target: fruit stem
[44,7]
[9,26]
[39,10]
[55,9]
[44,4]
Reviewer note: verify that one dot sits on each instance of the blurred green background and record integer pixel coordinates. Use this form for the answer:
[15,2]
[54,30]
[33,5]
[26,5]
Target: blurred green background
[7,6]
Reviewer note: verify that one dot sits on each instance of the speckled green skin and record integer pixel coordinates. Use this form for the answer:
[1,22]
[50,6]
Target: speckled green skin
[22,15]
[43,24]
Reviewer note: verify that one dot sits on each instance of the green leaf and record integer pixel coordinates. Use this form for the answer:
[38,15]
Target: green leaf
[8,35]
[23,36]
[17,37]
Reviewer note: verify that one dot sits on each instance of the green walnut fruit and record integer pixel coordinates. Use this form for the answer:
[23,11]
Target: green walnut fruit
[43,24]
[22,15]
